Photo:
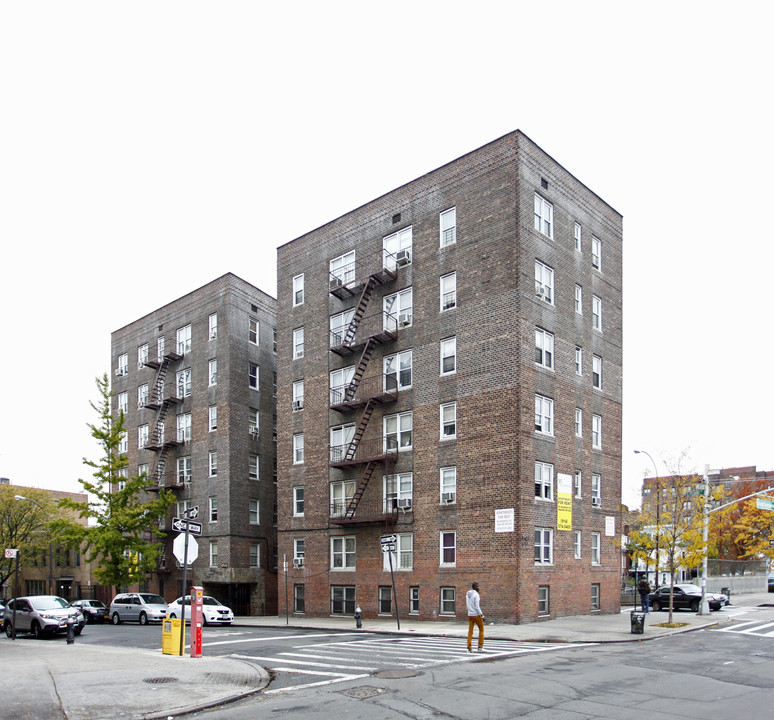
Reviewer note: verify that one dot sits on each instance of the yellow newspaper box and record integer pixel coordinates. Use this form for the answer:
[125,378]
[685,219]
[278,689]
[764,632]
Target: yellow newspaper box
[170,637]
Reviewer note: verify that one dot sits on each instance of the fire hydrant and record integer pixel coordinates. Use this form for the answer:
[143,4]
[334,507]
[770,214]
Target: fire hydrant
[358,617]
[70,630]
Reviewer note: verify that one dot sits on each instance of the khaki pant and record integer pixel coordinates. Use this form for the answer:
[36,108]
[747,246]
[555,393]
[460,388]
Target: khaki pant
[476,620]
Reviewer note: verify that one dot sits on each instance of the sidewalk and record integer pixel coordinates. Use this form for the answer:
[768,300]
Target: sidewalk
[48,680]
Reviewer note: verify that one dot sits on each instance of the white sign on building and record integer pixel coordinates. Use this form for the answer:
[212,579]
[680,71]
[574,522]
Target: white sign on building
[504,520]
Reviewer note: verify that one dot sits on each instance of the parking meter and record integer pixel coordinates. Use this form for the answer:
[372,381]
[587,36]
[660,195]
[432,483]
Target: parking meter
[197,602]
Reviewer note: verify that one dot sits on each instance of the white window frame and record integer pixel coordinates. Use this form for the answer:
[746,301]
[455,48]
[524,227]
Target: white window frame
[299,548]
[448,600]
[578,480]
[253,511]
[577,545]
[298,343]
[253,376]
[448,292]
[212,371]
[596,597]
[578,237]
[339,381]
[253,467]
[213,553]
[184,470]
[212,509]
[579,299]
[339,324]
[123,403]
[596,490]
[298,395]
[183,383]
[253,331]
[343,553]
[183,338]
[447,541]
[142,436]
[255,555]
[578,422]
[298,449]
[396,487]
[212,463]
[403,431]
[142,395]
[544,348]
[448,420]
[448,484]
[447,227]
[253,422]
[544,282]
[298,501]
[184,427]
[212,326]
[544,600]
[544,481]
[544,216]
[340,437]
[403,557]
[398,309]
[123,365]
[393,243]
[596,548]
[398,370]
[596,372]
[341,493]
[596,253]
[578,360]
[212,418]
[596,312]
[342,268]
[448,351]
[142,355]
[544,546]
[544,415]
[298,290]
[596,432]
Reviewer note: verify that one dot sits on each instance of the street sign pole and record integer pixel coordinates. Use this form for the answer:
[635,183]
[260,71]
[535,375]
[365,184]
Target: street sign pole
[389,544]
[185,580]
[394,594]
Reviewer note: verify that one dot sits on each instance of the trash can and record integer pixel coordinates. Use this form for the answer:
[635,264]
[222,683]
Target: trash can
[170,636]
[638,622]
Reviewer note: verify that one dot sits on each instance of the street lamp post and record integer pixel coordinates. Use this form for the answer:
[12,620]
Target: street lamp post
[658,509]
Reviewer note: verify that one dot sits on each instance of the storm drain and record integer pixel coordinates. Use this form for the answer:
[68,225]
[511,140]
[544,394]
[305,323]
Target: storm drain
[364,692]
[160,680]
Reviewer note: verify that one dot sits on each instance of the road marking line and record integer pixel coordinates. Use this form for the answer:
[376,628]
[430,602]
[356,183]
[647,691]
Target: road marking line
[278,637]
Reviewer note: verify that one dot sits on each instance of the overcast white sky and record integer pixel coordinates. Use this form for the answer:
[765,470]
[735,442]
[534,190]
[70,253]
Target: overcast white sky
[148,147]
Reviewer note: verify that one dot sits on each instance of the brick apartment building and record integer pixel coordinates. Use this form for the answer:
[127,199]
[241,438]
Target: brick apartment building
[450,372]
[196,380]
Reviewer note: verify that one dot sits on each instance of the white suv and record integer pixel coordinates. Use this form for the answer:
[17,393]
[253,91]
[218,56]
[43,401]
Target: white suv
[138,607]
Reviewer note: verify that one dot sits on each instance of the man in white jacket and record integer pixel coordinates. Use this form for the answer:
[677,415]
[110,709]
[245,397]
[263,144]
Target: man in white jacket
[475,617]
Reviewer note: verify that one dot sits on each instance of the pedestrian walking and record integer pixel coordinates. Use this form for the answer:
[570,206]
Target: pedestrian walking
[644,589]
[475,617]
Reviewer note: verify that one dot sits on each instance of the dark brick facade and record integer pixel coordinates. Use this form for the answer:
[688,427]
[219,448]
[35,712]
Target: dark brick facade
[496,447]
[248,589]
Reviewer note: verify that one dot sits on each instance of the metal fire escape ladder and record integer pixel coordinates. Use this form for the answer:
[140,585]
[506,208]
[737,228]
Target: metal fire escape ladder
[162,408]
[360,368]
[362,424]
[360,309]
[361,486]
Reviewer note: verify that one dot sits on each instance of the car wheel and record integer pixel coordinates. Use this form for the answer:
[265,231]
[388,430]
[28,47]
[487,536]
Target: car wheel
[694,606]
[143,619]
[37,633]
[115,619]
[8,630]
[656,605]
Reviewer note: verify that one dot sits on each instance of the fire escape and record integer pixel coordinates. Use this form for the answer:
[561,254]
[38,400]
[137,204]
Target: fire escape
[360,338]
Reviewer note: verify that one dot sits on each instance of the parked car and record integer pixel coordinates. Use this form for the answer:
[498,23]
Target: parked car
[687,597]
[41,615]
[213,611]
[771,584]
[138,607]
[93,610]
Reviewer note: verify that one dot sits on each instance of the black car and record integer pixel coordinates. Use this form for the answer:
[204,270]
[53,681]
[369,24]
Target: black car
[686,597]
[93,610]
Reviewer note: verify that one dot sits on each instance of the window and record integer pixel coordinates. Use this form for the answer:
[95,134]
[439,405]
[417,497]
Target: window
[123,365]
[578,237]
[213,508]
[579,300]
[448,601]
[212,325]
[544,415]
[142,470]
[160,348]
[253,331]
[448,226]
[252,468]
[596,312]
[544,348]
[298,290]
[339,324]
[448,291]
[544,282]
[449,356]
[578,360]
[142,436]
[578,483]
[212,372]
[403,557]
[342,269]
[255,555]
[340,381]
[213,553]
[298,599]
[596,253]
[340,439]
[184,383]
[212,463]
[544,546]
[578,422]
[596,548]
[184,427]
[595,590]
[123,442]
[183,337]
[398,431]
[253,422]
[448,421]
[449,484]
[253,512]
[398,309]
[298,502]
[544,216]
[123,403]
[342,599]
[252,375]
[544,481]
[274,339]
[576,546]
[299,551]
[122,474]
[343,553]
[398,371]
[398,491]
[596,490]
[341,495]
[298,449]
[142,356]
[142,395]
[544,607]
[596,432]
[298,395]
[298,343]
[384,599]
[397,248]
[213,418]
[413,601]
[448,549]
[184,470]
[596,372]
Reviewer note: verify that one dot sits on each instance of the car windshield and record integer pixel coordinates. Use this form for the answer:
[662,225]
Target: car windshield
[49,603]
[690,589]
[153,599]
[211,601]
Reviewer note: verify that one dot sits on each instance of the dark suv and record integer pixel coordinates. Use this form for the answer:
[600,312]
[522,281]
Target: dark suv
[41,615]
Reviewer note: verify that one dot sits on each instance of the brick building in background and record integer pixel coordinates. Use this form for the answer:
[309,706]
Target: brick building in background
[196,380]
[450,372]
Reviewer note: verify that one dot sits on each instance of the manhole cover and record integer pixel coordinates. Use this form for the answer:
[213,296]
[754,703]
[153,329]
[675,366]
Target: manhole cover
[160,680]
[363,692]
[397,674]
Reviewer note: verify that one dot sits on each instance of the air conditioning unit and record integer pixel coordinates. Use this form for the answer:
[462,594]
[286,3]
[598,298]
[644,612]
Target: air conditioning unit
[336,282]
[596,502]
[404,319]
[213,334]
[449,497]
[540,291]
[298,404]
[403,257]
[298,563]
[404,503]
[254,431]
[120,372]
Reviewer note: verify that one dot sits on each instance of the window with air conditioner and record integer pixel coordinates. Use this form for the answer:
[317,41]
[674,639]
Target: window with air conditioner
[544,282]
[398,309]
[142,395]
[142,356]
[298,395]
[397,248]
[448,291]
[252,422]
[299,551]
[398,491]
[342,270]
[122,365]
[448,485]
[596,490]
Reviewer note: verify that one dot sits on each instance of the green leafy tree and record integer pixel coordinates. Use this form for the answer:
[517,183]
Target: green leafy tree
[25,524]
[122,536]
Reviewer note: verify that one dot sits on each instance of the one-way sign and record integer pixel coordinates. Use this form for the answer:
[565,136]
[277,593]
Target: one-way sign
[180,525]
